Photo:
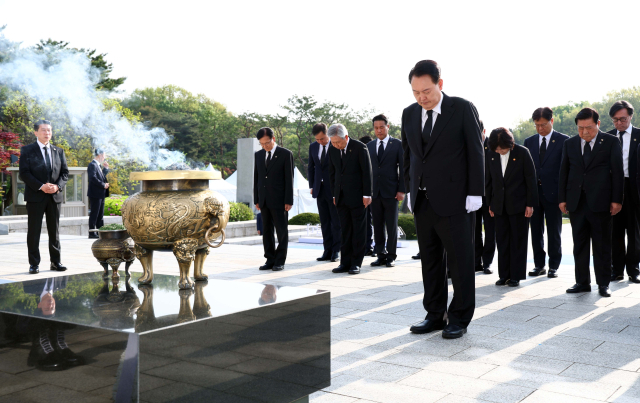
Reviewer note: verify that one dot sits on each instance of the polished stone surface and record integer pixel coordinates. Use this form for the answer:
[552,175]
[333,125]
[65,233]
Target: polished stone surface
[223,341]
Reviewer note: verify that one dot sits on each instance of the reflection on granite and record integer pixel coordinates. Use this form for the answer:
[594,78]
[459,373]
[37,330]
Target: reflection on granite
[223,341]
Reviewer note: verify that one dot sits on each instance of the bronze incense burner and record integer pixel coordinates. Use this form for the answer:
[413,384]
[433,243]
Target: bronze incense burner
[176,211]
[112,249]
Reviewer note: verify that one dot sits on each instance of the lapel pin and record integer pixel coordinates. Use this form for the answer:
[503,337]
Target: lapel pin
[491,159]
[514,159]
[553,141]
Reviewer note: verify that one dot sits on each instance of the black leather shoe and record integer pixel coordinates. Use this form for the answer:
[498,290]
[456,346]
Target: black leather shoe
[479,268]
[369,252]
[391,262]
[604,291]
[487,270]
[427,325]
[340,269]
[453,331]
[69,358]
[552,273]
[354,270]
[266,267]
[278,268]
[537,271]
[374,254]
[634,279]
[57,267]
[93,235]
[335,257]
[379,262]
[42,355]
[616,277]
[324,258]
[501,281]
[416,257]
[513,283]
[576,288]
[34,269]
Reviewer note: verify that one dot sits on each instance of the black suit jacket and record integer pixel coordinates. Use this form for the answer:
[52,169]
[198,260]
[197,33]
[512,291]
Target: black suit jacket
[351,177]
[97,179]
[602,178]
[317,172]
[274,184]
[517,189]
[33,172]
[387,174]
[633,162]
[452,162]
[549,170]
[37,286]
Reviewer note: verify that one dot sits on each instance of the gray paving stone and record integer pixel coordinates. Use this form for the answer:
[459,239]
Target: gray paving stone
[513,360]
[604,375]
[380,391]
[434,363]
[543,396]
[325,397]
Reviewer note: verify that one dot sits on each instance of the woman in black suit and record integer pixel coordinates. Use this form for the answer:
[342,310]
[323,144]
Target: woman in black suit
[511,194]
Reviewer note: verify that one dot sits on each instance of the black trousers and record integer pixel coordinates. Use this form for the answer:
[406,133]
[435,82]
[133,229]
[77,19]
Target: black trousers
[385,214]
[35,212]
[549,212]
[595,228]
[329,220]
[627,220]
[453,234]
[96,216]
[352,223]
[369,225]
[484,250]
[512,234]
[278,218]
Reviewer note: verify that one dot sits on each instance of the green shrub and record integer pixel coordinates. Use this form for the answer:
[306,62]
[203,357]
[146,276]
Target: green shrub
[240,212]
[305,218]
[112,227]
[113,204]
[405,221]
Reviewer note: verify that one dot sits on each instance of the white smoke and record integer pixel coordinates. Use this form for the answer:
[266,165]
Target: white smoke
[67,79]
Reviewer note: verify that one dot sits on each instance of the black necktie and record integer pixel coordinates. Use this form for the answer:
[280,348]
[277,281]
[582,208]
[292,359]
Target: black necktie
[426,130]
[586,154]
[47,161]
[342,156]
[324,154]
[380,151]
[268,159]
[621,142]
[543,149]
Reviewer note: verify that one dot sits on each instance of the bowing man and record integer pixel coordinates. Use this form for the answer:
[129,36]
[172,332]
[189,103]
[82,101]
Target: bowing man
[512,195]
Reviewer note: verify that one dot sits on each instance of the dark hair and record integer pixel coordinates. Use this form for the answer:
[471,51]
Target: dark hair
[365,139]
[36,126]
[265,131]
[619,106]
[481,124]
[98,151]
[501,137]
[587,113]
[380,118]
[424,68]
[319,128]
[545,113]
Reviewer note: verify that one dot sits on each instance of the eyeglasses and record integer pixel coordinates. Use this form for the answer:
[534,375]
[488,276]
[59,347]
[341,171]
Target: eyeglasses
[621,120]
[541,125]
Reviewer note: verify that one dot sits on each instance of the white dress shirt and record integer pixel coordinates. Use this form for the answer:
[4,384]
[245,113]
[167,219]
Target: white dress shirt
[326,153]
[591,143]
[384,143]
[548,137]
[504,160]
[273,151]
[48,288]
[42,146]
[626,143]
[436,111]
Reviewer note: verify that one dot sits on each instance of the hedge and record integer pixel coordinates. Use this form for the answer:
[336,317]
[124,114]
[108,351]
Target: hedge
[239,212]
[305,218]
[405,221]
[113,204]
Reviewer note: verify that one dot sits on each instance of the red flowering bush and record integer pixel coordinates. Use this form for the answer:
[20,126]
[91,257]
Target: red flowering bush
[9,145]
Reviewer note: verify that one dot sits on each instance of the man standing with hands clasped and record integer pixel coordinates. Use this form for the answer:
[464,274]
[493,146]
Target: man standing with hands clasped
[98,190]
[591,190]
[444,173]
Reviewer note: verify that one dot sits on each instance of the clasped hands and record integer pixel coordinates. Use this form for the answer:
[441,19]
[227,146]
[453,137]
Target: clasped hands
[528,212]
[49,188]
[614,208]
[287,207]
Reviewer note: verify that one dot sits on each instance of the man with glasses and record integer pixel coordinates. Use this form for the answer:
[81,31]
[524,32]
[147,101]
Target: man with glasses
[627,221]
[546,151]
[591,189]
[273,197]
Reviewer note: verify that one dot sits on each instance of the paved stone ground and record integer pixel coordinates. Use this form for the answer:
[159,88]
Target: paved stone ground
[532,344]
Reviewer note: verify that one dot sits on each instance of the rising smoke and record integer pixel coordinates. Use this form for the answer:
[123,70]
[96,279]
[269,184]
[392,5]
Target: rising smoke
[66,78]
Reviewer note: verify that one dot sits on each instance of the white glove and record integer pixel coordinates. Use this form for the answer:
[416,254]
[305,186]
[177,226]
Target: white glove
[409,201]
[473,203]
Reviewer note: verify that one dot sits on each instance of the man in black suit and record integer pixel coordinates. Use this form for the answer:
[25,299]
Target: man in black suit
[388,189]
[320,188]
[43,169]
[628,220]
[591,186]
[368,249]
[98,190]
[350,171]
[486,250]
[546,151]
[512,196]
[444,172]
[273,196]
